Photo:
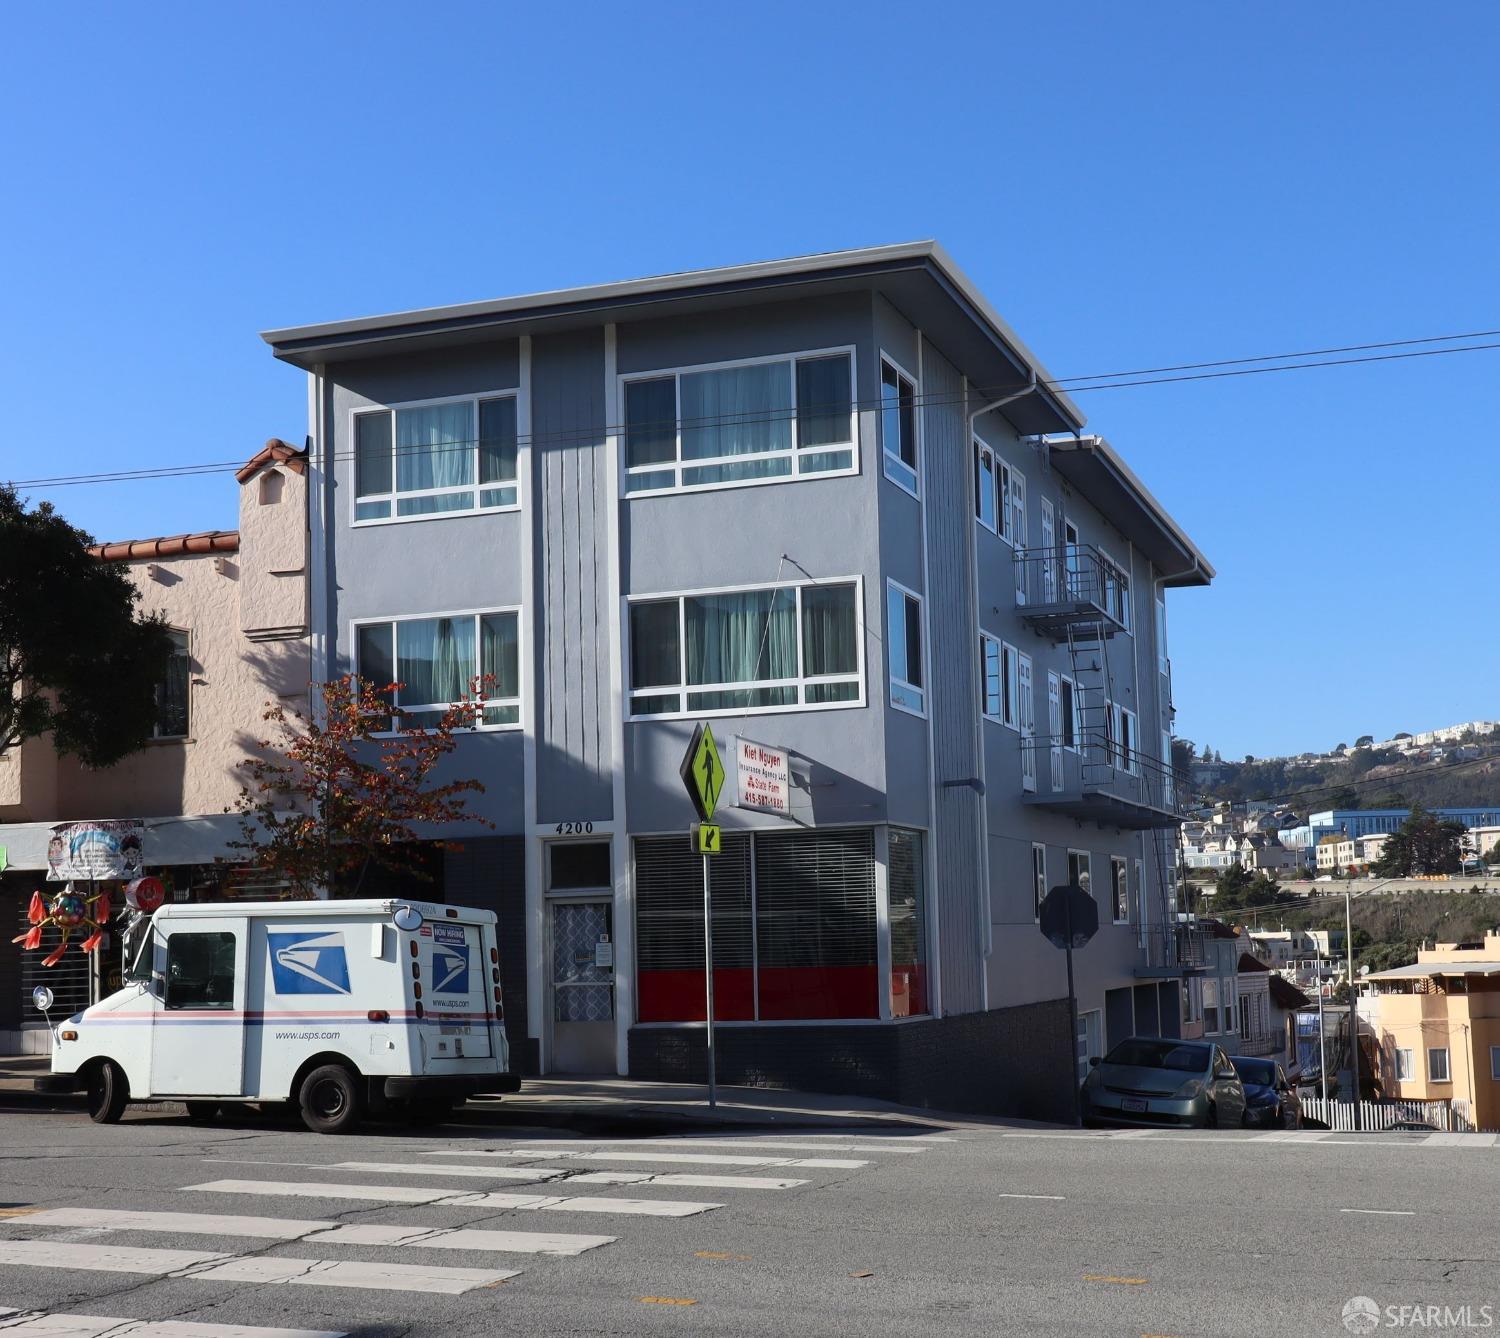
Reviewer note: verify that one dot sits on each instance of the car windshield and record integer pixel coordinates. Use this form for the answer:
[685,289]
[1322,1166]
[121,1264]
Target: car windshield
[1259,1071]
[1160,1055]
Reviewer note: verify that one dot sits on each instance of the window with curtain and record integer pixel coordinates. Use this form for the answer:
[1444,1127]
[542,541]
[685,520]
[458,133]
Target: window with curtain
[424,665]
[903,634]
[172,692]
[436,459]
[898,425]
[746,650]
[748,422]
[1119,889]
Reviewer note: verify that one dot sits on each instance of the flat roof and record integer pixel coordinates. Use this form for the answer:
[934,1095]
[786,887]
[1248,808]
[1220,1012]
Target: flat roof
[1426,970]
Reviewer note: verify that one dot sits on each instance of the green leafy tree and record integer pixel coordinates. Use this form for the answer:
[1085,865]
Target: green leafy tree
[1424,844]
[76,661]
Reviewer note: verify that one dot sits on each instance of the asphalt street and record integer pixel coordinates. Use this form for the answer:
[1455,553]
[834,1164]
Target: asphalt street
[477,1230]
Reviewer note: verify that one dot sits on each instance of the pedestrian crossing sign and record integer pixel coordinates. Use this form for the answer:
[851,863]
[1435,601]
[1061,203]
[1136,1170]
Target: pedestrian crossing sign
[703,772]
[707,838]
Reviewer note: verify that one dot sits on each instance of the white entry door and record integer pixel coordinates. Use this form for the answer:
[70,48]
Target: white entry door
[1054,728]
[1028,724]
[198,1021]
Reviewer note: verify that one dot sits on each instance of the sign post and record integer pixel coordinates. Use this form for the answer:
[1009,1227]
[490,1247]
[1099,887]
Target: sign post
[1069,919]
[702,774]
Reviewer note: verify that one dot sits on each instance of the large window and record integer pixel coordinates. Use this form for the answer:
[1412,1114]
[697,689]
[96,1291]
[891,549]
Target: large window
[200,971]
[794,927]
[1404,1070]
[747,650]
[1116,590]
[1079,870]
[898,426]
[1437,1064]
[172,692]
[742,422]
[991,679]
[433,459]
[908,911]
[430,663]
[1119,890]
[904,648]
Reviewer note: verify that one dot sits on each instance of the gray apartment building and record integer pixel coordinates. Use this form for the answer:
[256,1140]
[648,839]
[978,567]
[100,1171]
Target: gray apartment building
[829,505]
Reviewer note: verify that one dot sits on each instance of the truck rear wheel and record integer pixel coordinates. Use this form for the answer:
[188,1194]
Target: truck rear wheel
[330,1100]
[108,1092]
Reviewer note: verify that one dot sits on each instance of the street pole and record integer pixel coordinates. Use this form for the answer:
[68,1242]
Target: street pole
[1353,1006]
[708,983]
[1322,1035]
[1073,1027]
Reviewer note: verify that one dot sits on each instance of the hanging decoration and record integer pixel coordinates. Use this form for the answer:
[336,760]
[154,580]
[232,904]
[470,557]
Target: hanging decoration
[71,912]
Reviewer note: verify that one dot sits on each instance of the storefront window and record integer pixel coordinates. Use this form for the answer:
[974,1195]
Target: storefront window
[908,898]
[793,921]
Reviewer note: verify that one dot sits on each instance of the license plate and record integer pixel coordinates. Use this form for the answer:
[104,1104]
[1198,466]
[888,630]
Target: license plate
[1133,1103]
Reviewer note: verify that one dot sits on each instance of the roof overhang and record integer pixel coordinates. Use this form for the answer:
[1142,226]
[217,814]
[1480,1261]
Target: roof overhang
[1093,466]
[1427,970]
[919,278]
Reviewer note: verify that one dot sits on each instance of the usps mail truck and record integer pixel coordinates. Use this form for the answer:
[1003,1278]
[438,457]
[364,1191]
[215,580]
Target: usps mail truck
[341,1007]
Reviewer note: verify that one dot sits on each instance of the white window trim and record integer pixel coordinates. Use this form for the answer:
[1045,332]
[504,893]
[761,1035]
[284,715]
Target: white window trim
[1495,1063]
[1088,868]
[518,701]
[926,673]
[1014,535]
[1076,713]
[983,684]
[795,452]
[472,398]
[1128,753]
[1447,1063]
[800,682]
[1010,686]
[982,447]
[1163,660]
[886,455]
[1404,1069]
[1137,904]
[1003,472]
[1119,867]
[1122,576]
[1037,893]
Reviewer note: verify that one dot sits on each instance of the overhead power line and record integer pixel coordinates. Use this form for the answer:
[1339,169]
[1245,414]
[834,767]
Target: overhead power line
[1170,375]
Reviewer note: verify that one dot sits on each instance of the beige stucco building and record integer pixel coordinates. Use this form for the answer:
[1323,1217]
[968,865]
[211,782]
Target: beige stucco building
[236,601]
[1438,1026]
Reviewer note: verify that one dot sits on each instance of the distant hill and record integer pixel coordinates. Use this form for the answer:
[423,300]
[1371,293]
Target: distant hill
[1468,776]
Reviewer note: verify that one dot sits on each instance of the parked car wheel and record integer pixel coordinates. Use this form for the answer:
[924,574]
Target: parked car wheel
[108,1092]
[330,1100]
[202,1112]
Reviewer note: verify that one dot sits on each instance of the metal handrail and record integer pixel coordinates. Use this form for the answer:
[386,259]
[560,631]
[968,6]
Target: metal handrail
[1106,764]
[1071,574]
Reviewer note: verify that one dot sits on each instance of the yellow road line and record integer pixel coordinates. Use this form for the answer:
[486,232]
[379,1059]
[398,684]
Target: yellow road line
[17,1212]
[719,1254]
[666,1300]
[1109,1277]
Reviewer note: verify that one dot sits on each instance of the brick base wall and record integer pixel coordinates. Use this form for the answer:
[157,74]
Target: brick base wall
[1009,1061]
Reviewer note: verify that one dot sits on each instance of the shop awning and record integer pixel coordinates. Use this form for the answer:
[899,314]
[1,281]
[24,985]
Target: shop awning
[167,841]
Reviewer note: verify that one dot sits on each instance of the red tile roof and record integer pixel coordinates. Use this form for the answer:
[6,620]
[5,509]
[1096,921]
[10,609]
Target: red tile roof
[275,452]
[176,545]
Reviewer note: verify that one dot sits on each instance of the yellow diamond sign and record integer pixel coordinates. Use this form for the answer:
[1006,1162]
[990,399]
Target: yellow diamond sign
[703,772]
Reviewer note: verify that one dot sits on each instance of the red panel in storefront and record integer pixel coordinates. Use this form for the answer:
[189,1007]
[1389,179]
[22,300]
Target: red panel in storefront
[677,996]
[788,992]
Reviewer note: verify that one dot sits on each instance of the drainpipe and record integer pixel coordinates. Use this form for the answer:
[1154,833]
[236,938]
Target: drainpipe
[986,929]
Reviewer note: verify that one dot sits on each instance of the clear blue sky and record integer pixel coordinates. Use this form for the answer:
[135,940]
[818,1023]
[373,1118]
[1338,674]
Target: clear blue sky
[1132,185]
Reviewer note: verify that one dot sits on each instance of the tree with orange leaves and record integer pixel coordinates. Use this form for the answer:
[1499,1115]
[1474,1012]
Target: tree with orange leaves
[342,791]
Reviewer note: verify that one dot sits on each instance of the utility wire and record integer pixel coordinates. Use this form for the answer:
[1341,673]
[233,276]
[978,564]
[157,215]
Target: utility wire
[1232,367]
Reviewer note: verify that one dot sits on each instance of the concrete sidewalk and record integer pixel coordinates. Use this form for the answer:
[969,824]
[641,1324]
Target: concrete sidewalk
[595,1104]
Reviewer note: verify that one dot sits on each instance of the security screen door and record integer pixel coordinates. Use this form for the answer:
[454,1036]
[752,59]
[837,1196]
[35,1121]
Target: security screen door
[583,987]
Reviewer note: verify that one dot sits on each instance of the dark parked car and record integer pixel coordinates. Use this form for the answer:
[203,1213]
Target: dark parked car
[1270,1099]
[1158,1080]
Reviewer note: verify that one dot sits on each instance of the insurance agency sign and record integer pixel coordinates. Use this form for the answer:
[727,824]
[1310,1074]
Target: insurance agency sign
[765,781]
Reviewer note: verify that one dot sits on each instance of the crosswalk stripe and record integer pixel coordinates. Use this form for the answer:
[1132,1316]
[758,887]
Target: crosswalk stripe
[773,1145]
[40,1324]
[454,1198]
[319,1232]
[693,1158]
[274,1269]
[487,1172]
[685,1181]
[103,1258]
[193,1224]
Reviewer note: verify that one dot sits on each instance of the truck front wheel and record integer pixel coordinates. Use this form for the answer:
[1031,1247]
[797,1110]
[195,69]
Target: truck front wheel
[108,1092]
[330,1100]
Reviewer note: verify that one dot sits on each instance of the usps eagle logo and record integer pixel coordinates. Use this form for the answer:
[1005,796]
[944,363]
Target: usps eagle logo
[309,963]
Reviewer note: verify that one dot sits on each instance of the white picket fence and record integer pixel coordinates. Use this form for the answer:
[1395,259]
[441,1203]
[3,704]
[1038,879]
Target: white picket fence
[1449,1116]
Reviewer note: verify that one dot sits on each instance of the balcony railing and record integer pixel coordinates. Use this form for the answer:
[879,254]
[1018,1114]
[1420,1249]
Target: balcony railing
[1090,775]
[1171,950]
[1067,585]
